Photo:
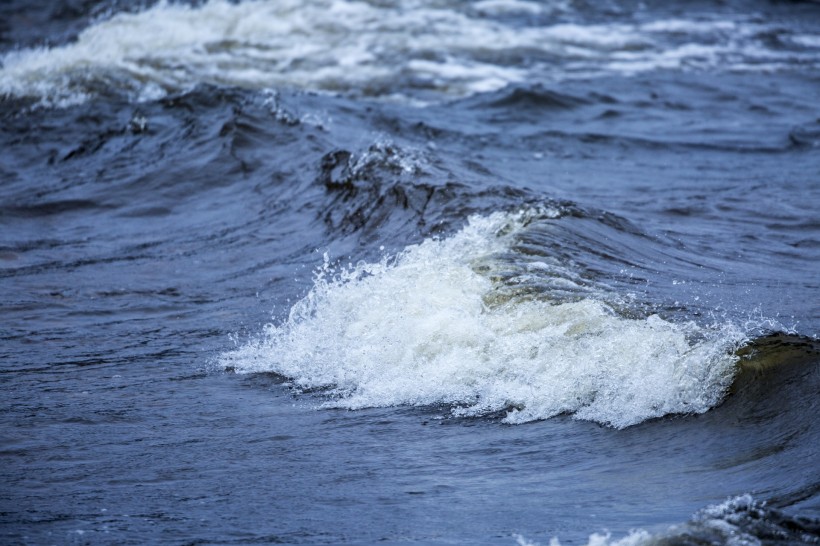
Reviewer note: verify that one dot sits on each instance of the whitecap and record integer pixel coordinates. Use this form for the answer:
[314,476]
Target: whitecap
[424,328]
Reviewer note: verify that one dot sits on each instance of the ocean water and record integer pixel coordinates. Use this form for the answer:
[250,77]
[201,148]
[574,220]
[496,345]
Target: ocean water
[420,272]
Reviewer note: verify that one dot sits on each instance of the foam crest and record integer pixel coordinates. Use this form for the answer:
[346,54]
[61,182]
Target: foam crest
[426,49]
[423,328]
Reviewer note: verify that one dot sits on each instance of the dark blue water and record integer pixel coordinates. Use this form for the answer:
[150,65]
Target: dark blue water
[440,273]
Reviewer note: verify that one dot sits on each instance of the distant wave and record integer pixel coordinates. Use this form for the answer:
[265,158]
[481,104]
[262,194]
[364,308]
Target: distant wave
[429,51]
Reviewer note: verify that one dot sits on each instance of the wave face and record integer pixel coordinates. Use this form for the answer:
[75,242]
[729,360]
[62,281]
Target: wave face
[419,51]
[424,328]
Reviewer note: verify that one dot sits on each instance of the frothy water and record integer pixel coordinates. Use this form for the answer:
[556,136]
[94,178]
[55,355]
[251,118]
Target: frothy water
[740,520]
[420,50]
[423,328]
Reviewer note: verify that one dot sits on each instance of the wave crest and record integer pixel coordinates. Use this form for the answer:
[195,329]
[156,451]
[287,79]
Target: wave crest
[422,328]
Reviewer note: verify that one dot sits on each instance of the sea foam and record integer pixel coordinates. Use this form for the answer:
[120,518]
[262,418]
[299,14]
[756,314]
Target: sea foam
[423,328]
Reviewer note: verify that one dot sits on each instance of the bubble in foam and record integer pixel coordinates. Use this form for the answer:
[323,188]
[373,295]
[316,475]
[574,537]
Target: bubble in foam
[423,328]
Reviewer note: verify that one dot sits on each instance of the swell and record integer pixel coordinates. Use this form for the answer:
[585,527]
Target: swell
[386,191]
[681,116]
[278,157]
[772,391]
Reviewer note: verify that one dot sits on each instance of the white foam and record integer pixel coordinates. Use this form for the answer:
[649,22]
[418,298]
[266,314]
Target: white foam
[369,48]
[807,40]
[498,7]
[421,328]
[688,26]
[634,538]
[726,523]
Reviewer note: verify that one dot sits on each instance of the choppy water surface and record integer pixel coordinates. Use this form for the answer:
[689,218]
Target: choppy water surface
[497,272]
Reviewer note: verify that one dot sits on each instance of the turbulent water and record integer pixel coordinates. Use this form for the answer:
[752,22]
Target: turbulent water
[434,272]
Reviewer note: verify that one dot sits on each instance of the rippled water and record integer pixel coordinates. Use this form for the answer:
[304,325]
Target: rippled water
[347,272]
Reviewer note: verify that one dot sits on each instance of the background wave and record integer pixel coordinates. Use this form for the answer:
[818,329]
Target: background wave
[418,52]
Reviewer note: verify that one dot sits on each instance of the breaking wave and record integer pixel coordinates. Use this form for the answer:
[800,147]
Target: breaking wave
[427,327]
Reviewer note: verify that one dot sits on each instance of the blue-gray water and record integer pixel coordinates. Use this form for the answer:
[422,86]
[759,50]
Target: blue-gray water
[339,272]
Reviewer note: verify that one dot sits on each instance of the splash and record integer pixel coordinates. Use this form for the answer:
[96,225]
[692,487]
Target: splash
[424,328]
